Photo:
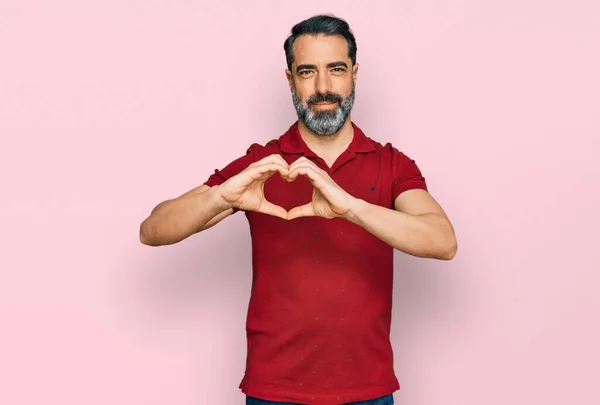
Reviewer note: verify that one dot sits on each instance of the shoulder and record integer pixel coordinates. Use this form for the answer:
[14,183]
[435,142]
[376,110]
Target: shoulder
[389,152]
[259,150]
[392,158]
[385,150]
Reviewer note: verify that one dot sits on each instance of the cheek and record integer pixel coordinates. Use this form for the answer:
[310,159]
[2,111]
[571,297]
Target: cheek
[304,87]
[344,87]
[303,91]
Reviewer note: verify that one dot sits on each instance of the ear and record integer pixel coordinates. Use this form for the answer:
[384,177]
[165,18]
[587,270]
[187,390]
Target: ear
[355,72]
[288,74]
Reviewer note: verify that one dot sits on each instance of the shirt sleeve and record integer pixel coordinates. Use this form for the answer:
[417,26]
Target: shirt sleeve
[221,175]
[407,175]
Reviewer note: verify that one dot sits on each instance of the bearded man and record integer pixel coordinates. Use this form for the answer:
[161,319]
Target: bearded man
[323,233]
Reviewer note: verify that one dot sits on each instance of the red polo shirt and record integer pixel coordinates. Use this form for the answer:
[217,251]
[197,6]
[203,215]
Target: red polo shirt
[318,325]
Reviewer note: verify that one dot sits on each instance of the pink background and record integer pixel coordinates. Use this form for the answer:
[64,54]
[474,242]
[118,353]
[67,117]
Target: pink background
[109,107]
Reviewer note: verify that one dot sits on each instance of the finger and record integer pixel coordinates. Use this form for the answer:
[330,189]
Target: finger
[269,164]
[304,162]
[268,168]
[271,172]
[258,173]
[274,158]
[278,159]
[282,160]
[315,177]
[301,159]
[267,159]
[308,166]
[305,210]
[266,207]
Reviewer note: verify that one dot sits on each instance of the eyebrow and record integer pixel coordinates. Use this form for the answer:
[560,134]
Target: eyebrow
[329,66]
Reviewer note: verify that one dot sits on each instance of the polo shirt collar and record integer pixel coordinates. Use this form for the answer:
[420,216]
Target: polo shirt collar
[292,142]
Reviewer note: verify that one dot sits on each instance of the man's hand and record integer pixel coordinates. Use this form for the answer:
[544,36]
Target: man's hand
[245,190]
[328,201]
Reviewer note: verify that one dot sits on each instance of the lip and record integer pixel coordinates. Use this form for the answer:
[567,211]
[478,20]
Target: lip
[326,103]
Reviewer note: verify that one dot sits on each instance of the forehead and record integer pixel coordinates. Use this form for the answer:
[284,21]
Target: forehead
[319,49]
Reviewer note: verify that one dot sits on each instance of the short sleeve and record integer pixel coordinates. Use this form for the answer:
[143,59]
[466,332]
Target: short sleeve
[406,175]
[233,168]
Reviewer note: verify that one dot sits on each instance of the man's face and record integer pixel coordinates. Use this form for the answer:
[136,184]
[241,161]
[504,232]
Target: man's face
[322,82]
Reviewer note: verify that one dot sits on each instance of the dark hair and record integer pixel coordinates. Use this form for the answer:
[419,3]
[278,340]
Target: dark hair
[320,24]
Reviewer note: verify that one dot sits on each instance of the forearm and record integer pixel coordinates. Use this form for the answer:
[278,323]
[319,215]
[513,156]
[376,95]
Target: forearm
[174,220]
[428,235]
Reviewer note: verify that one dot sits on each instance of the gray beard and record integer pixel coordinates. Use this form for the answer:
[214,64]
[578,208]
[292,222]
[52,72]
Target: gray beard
[327,122]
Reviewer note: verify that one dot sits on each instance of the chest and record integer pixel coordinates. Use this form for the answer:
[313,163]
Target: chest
[367,178]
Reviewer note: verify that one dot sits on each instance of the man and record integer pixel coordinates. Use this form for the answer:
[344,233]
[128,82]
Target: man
[326,206]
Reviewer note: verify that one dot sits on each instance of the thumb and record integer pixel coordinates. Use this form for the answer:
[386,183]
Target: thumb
[305,210]
[269,208]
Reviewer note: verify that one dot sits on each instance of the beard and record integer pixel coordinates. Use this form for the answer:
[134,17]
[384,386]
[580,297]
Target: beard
[324,122]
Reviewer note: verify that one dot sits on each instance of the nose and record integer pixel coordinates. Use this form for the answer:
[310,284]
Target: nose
[323,83]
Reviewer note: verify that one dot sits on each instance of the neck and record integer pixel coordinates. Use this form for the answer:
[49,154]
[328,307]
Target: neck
[328,146]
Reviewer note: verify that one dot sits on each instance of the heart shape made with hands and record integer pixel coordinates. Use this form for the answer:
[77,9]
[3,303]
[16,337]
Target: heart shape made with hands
[329,200]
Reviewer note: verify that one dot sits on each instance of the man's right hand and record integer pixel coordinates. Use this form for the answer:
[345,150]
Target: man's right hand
[245,190]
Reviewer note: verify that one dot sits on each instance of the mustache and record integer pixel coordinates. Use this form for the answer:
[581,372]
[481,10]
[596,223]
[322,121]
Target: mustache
[324,98]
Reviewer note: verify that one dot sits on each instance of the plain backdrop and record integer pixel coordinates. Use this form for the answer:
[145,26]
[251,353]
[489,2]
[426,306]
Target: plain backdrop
[109,107]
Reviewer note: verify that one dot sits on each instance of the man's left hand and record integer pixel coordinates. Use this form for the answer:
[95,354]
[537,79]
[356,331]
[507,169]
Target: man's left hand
[328,201]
